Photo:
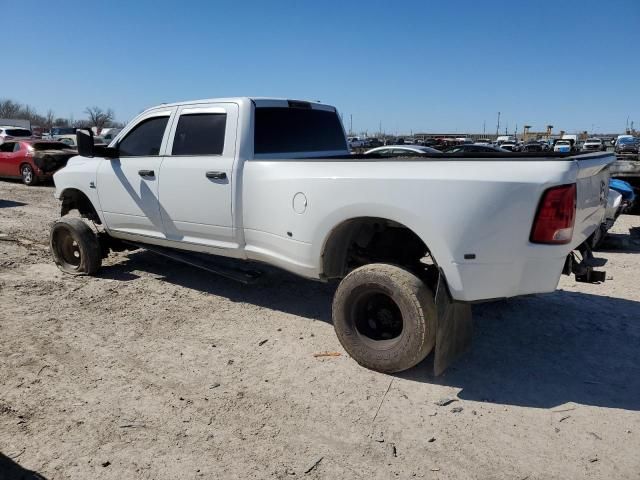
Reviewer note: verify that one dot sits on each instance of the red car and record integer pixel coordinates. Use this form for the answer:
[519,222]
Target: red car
[33,160]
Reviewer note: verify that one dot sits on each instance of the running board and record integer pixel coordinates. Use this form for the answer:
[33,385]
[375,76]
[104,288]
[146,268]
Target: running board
[196,260]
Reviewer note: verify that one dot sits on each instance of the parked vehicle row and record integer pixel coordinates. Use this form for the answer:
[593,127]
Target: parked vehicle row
[620,199]
[32,160]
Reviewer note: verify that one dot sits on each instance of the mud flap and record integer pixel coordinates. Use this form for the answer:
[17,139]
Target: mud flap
[453,329]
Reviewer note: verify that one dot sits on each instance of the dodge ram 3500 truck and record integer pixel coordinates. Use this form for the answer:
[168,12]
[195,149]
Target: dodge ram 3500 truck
[413,240]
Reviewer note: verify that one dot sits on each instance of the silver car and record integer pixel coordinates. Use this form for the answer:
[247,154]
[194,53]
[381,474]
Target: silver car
[401,150]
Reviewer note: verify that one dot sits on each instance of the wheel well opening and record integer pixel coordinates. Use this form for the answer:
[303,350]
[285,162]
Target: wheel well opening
[365,240]
[73,199]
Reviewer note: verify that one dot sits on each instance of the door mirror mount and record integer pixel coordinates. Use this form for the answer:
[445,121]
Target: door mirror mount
[86,147]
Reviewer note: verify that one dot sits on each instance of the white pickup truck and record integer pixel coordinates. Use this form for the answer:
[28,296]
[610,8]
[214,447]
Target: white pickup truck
[414,240]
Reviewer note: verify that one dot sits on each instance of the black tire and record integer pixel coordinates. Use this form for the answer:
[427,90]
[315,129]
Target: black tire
[385,317]
[75,247]
[27,174]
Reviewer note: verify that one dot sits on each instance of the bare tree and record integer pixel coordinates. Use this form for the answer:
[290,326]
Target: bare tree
[9,108]
[61,122]
[98,117]
[82,124]
[49,120]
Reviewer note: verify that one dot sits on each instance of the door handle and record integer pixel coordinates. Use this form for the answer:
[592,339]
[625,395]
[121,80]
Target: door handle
[216,175]
[146,173]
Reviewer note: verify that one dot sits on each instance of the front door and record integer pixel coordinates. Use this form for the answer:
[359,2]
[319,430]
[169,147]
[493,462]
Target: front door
[197,175]
[128,186]
[7,160]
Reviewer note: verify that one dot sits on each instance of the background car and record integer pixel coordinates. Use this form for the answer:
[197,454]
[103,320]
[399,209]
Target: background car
[474,148]
[355,142]
[563,145]
[32,160]
[374,142]
[533,147]
[627,145]
[510,146]
[109,134]
[9,133]
[401,151]
[593,145]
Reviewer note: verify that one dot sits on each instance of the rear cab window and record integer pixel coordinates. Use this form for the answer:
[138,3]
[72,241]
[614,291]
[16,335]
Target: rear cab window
[298,128]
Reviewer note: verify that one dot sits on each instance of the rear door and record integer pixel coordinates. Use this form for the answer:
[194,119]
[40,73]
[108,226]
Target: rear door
[197,175]
[128,186]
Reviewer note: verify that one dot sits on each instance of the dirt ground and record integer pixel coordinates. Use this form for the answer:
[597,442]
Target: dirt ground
[156,370]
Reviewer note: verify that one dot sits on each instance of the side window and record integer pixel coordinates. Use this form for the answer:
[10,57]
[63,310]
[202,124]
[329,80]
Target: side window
[403,153]
[17,147]
[7,147]
[145,139]
[200,134]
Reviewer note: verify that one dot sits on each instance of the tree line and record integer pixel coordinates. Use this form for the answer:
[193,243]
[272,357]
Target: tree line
[96,116]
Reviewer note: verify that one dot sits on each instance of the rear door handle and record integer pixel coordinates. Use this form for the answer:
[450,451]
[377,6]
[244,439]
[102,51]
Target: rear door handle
[216,175]
[146,173]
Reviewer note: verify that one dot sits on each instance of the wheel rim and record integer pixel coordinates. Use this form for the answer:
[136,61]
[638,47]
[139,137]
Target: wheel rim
[27,174]
[377,318]
[66,249]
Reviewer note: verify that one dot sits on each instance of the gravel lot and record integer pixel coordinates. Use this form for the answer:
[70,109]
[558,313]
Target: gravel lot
[155,370]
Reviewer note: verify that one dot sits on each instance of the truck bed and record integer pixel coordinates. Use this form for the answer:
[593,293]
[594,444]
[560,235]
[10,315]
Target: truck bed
[480,205]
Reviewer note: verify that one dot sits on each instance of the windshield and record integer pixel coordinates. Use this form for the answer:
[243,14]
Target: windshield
[63,131]
[627,140]
[289,130]
[18,132]
[563,142]
[49,146]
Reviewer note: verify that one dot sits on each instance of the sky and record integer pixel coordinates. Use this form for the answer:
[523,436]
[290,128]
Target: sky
[429,66]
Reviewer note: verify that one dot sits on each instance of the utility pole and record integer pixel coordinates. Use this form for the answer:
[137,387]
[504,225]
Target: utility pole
[351,124]
[498,126]
[484,124]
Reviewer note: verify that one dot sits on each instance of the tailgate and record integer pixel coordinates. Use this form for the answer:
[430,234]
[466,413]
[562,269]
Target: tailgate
[593,188]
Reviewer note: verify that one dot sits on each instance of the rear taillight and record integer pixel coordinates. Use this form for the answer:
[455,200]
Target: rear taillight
[556,216]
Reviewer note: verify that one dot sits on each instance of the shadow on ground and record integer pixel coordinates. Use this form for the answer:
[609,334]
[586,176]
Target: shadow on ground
[546,350]
[10,470]
[537,351]
[10,203]
[275,289]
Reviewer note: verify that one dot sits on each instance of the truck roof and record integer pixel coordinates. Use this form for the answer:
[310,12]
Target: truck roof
[258,101]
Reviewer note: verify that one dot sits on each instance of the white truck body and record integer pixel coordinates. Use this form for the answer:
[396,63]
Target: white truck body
[475,215]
